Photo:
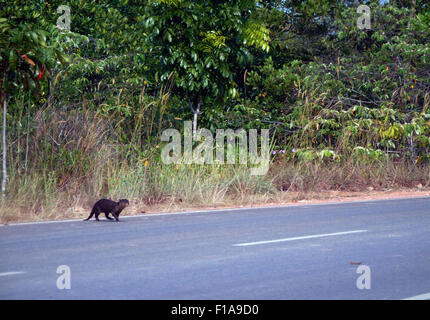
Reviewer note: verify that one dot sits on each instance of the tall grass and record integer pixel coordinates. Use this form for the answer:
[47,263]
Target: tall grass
[171,187]
[64,160]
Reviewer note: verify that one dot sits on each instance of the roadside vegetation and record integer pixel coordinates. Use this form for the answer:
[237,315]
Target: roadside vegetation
[348,109]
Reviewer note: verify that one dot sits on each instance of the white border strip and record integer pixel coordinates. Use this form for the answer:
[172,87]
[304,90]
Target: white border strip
[297,238]
[424,296]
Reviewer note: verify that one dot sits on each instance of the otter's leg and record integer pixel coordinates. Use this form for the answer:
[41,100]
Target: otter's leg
[116,216]
[107,216]
[97,212]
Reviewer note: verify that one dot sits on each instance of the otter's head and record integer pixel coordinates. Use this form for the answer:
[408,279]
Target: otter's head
[124,203]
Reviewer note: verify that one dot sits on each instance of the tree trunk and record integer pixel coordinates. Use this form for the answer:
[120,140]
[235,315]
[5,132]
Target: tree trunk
[4,175]
[195,111]
[195,122]
[412,11]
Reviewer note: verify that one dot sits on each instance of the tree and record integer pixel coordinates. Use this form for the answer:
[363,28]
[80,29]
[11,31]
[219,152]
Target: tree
[201,45]
[25,58]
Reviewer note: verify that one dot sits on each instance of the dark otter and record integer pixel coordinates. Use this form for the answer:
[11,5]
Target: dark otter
[108,206]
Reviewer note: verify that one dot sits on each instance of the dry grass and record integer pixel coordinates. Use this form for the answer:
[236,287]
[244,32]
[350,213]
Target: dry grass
[162,188]
[71,159]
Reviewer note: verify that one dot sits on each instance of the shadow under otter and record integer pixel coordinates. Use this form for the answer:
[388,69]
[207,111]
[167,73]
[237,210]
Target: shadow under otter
[107,206]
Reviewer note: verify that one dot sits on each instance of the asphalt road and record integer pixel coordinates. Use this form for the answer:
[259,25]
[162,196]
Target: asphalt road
[295,252]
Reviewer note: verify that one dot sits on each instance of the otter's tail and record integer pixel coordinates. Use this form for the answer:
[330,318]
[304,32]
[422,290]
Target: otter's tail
[91,214]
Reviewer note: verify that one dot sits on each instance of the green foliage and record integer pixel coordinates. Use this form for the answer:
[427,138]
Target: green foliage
[361,88]
[25,56]
[202,45]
